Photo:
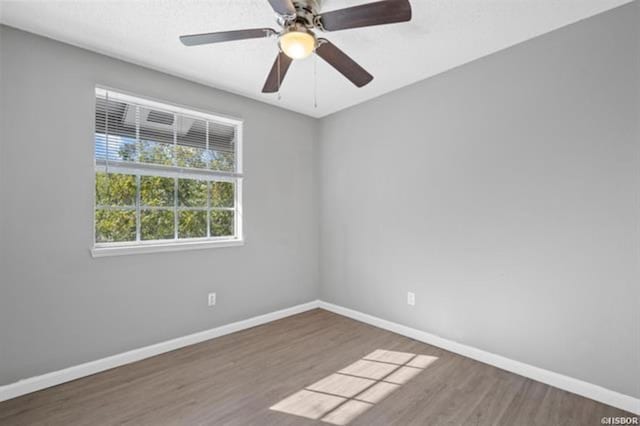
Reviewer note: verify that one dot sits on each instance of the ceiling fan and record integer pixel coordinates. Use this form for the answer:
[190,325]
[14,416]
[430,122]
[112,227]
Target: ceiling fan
[296,39]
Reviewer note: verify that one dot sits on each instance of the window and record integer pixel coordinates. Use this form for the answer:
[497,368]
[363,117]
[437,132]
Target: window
[166,177]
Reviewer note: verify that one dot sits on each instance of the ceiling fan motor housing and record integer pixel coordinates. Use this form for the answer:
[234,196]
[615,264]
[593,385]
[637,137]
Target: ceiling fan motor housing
[306,14]
[298,28]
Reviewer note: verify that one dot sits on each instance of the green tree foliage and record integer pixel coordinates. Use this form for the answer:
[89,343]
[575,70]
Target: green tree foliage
[156,224]
[192,224]
[156,153]
[187,156]
[115,190]
[221,223]
[157,191]
[192,193]
[161,198]
[222,194]
[129,150]
[115,213]
[115,225]
[222,161]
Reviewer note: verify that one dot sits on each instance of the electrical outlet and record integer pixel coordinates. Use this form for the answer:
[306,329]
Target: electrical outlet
[211,300]
[411,299]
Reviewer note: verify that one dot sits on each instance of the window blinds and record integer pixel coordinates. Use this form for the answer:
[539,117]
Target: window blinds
[137,136]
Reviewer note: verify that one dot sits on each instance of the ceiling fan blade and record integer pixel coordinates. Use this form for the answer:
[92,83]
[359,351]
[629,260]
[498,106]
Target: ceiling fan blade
[343,63]
[365,15]
[283,7]
[222,36]
[277,73]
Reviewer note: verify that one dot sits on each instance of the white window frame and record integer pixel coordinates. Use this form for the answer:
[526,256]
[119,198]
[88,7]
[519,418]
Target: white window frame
[140,247]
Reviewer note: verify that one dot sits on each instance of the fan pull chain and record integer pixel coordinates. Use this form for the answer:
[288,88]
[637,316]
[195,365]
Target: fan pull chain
[315,81]
[279,82]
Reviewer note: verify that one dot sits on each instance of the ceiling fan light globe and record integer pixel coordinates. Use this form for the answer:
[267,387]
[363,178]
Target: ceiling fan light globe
[297,44]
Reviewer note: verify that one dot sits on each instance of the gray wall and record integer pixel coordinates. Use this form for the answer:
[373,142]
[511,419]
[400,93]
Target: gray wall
[59,306]
[504,193]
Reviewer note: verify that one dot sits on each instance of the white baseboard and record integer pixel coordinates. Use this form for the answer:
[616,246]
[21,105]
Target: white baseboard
[557,380]
[569,384]
[54,378]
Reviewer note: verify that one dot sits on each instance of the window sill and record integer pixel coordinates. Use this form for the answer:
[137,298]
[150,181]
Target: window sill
[122,250]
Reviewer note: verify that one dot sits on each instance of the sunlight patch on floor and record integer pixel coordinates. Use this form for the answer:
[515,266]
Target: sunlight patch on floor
[346,394]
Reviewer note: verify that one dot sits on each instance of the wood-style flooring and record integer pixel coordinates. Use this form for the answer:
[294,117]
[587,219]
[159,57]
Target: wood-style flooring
[234,379]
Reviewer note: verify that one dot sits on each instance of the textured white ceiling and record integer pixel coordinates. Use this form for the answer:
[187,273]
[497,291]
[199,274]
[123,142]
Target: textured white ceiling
[443,34]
